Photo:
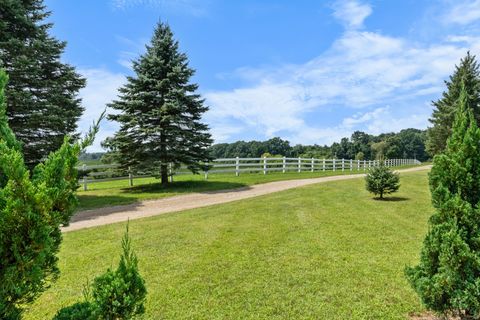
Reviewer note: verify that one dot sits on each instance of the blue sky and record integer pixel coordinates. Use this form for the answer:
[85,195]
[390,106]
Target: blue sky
[307,71]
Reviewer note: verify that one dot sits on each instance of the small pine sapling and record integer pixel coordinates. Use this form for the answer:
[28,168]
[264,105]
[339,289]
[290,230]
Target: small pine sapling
[381,181]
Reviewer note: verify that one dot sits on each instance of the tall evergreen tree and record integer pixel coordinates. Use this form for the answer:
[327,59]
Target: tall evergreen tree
[445,108]
[43,106]
[448,275]
[159,111]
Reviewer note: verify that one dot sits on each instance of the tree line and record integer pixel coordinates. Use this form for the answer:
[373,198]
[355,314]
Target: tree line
[408,143]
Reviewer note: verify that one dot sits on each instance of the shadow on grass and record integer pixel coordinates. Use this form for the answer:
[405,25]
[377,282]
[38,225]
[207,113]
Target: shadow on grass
[185,187]
[132,196]
[392,199]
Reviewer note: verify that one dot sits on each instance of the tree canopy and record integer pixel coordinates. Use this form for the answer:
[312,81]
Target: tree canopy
[42,94]
[466,75]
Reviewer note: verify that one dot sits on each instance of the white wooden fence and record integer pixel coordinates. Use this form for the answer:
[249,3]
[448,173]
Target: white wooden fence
[245,165]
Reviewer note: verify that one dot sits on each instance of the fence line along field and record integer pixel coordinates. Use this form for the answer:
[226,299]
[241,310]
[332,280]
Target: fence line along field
[112,172]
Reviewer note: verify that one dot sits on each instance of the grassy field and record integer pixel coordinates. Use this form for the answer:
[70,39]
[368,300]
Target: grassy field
[326,251]
[103,194]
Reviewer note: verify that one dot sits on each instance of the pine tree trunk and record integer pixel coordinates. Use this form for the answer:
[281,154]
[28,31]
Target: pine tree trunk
[164,174]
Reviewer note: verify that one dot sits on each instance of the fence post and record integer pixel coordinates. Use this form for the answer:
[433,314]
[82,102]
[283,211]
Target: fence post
[284,165]
[369,164]
[130,177]
[323,164]
[299,164]
[313,164]
[343,164]
[351,164]
[364,165]
[264,165]
[237,167]
[84,168]
[333,164]
[358,165]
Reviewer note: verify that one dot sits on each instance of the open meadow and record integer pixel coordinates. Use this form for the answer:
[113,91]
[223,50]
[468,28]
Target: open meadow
[326,251]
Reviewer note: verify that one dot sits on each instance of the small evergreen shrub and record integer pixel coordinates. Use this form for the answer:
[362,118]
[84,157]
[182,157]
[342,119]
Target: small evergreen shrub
[78,311]
[447,279]
[381,181]
[120,294]
[117,294]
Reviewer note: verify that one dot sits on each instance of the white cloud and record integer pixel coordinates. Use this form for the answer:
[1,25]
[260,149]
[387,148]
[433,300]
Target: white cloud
[351,13]
[361,70]
[101,89]
[383,119]
[463,12]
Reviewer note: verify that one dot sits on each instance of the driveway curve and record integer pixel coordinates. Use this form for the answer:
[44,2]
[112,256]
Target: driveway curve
[108,215]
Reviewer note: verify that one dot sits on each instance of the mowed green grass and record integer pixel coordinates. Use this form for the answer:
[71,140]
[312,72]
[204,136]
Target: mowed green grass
[326,251]
[110,193]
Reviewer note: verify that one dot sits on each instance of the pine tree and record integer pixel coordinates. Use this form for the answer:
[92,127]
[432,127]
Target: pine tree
[42,102]
[445,108]
[159,112]
[33,206]
[381,181]
[448,275]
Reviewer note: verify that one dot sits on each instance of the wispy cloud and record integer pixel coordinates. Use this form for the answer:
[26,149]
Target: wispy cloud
[133,49]
[102,87]
[351,13]
[362,70]
[196,8]
[463,12]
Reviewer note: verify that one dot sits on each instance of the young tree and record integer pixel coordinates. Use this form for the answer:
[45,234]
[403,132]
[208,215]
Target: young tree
[445,108]
[381,180]
[117,294]
[32,209]
[447,277]
[159,111]
[42,94]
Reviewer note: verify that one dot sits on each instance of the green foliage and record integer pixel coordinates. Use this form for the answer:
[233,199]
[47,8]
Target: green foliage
[381,180]
[32,209]
[43,105]
[78,311]
[160,113]
[360,156]
[408,143]
[447,277]
[117,294]
[467,74]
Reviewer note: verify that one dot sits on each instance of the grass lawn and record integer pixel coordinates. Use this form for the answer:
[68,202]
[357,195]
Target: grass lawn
[110,193]
[326,251]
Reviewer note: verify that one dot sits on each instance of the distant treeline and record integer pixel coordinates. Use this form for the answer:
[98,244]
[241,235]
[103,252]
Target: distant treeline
[408,143]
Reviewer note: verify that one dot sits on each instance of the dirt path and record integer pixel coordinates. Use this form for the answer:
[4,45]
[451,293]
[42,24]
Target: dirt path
[102,216]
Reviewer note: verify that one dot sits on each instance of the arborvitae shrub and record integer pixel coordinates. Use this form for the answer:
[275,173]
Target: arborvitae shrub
[120,294]
[381,181]
[78,311]
[447,279]
[117,294]
[33,207]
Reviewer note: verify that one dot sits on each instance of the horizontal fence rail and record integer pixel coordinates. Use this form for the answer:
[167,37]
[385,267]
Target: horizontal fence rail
[112,172]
